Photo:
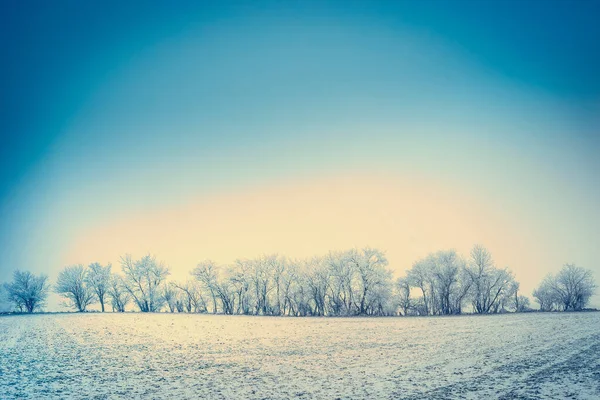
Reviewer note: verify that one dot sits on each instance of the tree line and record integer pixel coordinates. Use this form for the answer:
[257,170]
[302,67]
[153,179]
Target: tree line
[347,283]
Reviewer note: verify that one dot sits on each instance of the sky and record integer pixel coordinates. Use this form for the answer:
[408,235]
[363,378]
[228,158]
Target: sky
[228,130]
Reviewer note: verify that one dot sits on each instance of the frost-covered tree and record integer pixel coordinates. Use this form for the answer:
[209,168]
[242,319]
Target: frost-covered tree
[191,298]
[545,295]
[440,278]
[98,278]
[72,285]
[277,267]
[344,283]
[570,290]
[261,279]
[226,293]
[169,294]
[240,279]
[450,288]
[27,292]
[373,283]
[517,301]
[421,276]
[206,273]
[447,282]
[403,295]
[119,296]
[221,283]
[574,286]
[143,279]
[180,302]
[341,278]
[290,283]
[316,278]
[522,303]
[491,287]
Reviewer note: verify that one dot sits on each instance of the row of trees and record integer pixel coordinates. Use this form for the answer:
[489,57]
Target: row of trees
[142,282]
[352,282]
[445,283]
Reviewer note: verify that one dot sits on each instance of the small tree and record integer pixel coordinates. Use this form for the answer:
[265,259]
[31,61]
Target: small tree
[574,287]
[27,292]
[72,284]
[190,299]
[570,290]
[403,295]
[521,303]
[98,278]
[119,296]
[169,294]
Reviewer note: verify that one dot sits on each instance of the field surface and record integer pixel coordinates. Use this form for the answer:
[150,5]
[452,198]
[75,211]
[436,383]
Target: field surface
[160,356]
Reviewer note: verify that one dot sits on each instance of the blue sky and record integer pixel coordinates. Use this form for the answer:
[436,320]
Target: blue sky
[114,109]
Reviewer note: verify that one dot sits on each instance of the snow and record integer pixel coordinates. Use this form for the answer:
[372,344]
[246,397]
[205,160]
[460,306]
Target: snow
[159,356]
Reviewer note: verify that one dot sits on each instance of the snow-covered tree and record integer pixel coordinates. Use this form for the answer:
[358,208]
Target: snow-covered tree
[545,295]
[570,290]
[119,296]
[27,292]
[490,286]
[191,297]
[72,284]
[98,278]
[403,295]
[143,279]
[169,294]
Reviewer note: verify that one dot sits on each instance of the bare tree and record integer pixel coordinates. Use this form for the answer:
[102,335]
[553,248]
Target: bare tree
[72,284]
[372,279]
[447,282]
[118,293]
[277,267]
[170,296]
[98,278]
[418,306]
[489,285]
[420,276]
[27,292]
[447,272]
[316,276]
[545,295]
[352,282]
[575,286]
[521,303]
[226,292]
[518,302]
[440,278]
[180,302]
[206,274]
[240,279]
[403,295]
[192,299]
[143,279]
[570,290]
[341,277]
[290,283]
[262,283]
[220,283]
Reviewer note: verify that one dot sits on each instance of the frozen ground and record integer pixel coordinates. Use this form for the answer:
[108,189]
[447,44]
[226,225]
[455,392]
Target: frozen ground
[160,356]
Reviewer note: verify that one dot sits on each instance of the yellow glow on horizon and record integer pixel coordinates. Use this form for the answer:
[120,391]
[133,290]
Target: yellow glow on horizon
[405,217]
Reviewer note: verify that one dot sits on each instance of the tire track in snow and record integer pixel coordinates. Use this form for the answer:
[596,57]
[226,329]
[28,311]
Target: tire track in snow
[535,376]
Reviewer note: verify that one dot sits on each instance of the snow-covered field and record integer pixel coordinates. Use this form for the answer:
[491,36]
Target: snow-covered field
[201,356]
